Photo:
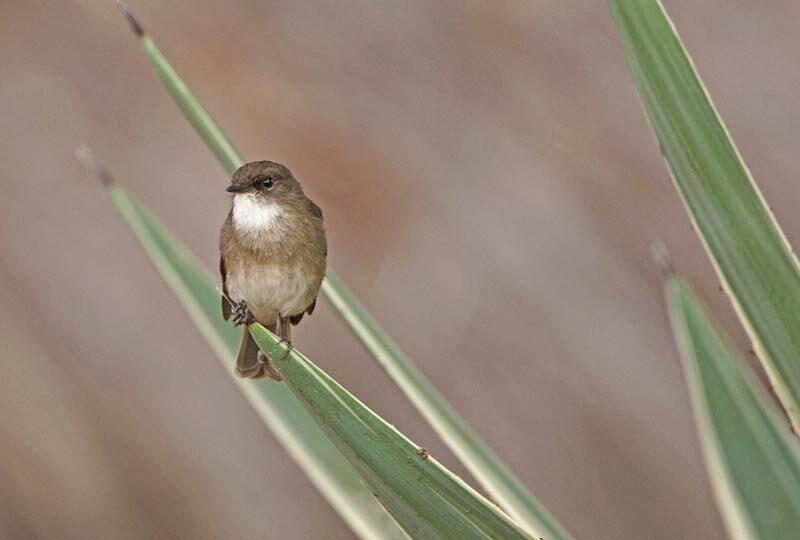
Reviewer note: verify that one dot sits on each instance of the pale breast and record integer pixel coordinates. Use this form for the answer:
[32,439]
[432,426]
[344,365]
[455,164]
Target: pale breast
[251,216]
[269,290]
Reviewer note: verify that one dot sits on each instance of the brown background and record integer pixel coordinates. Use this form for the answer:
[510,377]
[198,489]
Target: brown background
[491,190]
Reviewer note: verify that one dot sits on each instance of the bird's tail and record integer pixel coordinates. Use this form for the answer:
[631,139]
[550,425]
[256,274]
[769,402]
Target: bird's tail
[251,363]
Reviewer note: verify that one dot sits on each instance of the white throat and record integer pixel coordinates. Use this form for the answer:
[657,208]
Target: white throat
[253,216]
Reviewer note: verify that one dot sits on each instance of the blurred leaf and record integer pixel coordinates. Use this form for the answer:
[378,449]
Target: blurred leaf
[425,498]
[480,460]
[753,461]
[274,403]
[192,109]
[745,243]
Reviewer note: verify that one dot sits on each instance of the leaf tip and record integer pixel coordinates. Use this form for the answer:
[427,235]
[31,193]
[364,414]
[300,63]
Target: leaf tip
[662,259]
[90,161]
[133,22]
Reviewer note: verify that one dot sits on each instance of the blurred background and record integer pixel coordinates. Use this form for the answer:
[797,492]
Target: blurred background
[491,190]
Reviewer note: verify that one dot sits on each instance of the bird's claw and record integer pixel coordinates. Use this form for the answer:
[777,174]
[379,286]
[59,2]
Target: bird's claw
[269,369]
[240,314]
[289,347]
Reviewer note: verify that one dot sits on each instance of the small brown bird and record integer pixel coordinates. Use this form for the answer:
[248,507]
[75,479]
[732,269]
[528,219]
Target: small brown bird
[273,254]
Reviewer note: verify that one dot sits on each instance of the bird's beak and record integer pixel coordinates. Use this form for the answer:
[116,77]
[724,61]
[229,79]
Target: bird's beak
[236,188]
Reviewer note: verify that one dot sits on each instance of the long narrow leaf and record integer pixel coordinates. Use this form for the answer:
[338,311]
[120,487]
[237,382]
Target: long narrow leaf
[281,412]
[476,455]
[745,243]
[425,498]
[479,459]
[753,461]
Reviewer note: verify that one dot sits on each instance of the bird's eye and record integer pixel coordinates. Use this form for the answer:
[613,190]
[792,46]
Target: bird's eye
[266,182]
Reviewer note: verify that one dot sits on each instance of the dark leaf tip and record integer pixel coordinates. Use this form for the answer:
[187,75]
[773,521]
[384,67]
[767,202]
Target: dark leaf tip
[662,259]
[133,22]
[90,161]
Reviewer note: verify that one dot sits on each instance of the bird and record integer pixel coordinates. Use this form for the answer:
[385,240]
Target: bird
[273,256]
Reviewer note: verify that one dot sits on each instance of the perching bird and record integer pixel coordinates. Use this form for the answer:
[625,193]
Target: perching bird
[273,254]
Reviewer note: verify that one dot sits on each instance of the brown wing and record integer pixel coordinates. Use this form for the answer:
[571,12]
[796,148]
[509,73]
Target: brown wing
[316,209]
[318,212]
[310,309]
[226,306]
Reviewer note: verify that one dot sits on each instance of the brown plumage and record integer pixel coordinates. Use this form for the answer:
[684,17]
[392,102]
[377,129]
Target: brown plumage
[272,257]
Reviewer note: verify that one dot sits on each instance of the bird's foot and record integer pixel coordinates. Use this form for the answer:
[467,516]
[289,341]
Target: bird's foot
[282,327]
[289,348]
[240,314]
[269,369]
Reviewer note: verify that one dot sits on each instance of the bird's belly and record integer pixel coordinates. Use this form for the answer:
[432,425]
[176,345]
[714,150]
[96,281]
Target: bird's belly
[271,290]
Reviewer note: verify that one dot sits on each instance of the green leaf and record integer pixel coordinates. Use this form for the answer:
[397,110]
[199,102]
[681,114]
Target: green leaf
[281,412]
[754,462]
[488,469]
[745,243]
[468,447]
[192,109]
[426,499]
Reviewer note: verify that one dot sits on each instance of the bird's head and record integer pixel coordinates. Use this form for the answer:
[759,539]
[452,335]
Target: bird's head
[264,181]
